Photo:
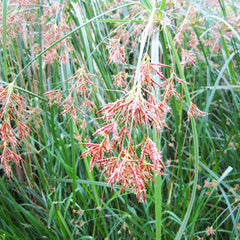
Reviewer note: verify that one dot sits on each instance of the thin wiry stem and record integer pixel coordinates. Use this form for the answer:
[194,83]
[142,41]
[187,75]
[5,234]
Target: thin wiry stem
[195,142]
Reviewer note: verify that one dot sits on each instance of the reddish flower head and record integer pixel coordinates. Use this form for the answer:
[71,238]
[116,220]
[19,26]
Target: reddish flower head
[116,52]
[193,111]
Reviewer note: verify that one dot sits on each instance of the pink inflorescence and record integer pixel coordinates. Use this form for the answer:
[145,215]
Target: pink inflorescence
[11,112]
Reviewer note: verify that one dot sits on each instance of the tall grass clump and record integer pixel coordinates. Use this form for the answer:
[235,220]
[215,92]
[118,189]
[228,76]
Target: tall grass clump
[119,119]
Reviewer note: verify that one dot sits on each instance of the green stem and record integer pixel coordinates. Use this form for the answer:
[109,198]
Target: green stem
[158,178]
[195,140]
[4,38]
[158,206]
[40,84]
[162,5]
[74,174]
[230,65]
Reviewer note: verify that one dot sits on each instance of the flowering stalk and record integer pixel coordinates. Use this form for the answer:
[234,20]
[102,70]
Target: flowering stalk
[132,111]
[158,178]
[193,111]
[11,115]
[116,52]
[137,108]
[78,88]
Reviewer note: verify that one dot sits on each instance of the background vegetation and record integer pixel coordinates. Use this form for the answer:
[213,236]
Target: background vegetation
[53,194]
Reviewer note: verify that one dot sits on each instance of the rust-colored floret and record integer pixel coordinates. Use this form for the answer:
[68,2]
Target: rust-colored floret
[11,112]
